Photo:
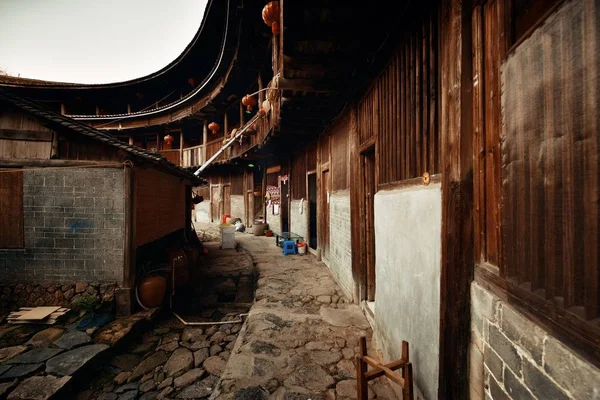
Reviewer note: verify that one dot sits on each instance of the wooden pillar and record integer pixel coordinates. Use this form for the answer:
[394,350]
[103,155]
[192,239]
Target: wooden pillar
[97,110]
[204,141]
[131,140]
[63,109]
[124,295]
[241,114]
[261,94]
[181,147]
[188,211]
[457,197]
[355,215]
[157,143]
[226,133]
[128,108]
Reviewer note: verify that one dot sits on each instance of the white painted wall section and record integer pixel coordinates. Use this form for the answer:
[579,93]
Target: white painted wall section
[339,257]
[408,224]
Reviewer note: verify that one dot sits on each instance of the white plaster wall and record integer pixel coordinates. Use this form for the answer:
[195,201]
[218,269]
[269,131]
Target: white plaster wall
[237,207]
[408,225]
[299,218]
[274,221]
[202,211]
[339,257]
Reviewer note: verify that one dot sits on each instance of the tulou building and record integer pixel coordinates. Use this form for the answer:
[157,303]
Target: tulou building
[440,157]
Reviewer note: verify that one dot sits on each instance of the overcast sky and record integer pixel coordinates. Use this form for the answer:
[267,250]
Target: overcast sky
[94,41]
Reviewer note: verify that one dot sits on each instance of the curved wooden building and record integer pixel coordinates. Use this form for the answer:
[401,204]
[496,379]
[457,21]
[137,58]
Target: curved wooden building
[440,157]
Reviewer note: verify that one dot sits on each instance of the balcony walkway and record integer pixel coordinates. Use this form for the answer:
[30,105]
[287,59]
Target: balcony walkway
[300,336]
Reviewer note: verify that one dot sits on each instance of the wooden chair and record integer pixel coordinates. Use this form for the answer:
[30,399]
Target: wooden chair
[363,376]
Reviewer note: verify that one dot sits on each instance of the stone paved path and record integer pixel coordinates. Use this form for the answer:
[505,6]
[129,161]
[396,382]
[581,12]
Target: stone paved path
[301,335]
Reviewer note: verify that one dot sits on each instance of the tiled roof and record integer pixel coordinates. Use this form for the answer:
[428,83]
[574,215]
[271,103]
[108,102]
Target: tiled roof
[85,130]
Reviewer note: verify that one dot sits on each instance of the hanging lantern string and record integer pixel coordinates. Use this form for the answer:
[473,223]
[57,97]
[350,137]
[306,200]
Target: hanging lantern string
[275,79]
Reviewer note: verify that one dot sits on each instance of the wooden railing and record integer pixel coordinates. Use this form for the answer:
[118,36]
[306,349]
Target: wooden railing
[171,155]
[193,157]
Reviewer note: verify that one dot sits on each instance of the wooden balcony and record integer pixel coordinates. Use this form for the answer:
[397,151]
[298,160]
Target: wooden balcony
[172,155]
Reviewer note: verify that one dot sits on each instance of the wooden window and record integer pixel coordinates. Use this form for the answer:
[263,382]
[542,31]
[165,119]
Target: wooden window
[401,108]
[340,157]
[527,14]
[537,214]
[11,210]
[298,176]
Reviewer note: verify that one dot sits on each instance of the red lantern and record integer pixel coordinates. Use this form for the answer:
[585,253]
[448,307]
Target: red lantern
[168,141]
[275,28]
[249,102]
[214,127]
[270,15]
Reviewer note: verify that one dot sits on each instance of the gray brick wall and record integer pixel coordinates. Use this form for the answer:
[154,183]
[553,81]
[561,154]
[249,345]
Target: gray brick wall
[237,207]
[339,257]
[74,220]
[298,220]
[512,357]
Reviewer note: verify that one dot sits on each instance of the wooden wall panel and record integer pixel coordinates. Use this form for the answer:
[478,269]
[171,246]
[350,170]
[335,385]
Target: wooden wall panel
[18,133]
[311,158]
[550,177]
[159,205]
[11,210]
[298,175]
[237,183]
[401,107]
[340,157]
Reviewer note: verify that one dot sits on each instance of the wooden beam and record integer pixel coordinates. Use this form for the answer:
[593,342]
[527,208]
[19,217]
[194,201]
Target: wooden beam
[308,85]
[26,135]
[16,162]
[181,138]
[457,198]
[204,140]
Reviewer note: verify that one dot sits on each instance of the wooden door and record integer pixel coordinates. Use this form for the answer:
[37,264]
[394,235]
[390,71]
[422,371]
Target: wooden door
[227,200]
[214,204]
[249,208]
[368,223]
[284,210]
[312,210]
[325,194]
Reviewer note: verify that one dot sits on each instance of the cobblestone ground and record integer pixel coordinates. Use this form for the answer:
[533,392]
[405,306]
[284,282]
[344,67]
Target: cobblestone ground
[301,335]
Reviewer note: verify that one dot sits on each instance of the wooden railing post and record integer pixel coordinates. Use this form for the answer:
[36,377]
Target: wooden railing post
[362,388]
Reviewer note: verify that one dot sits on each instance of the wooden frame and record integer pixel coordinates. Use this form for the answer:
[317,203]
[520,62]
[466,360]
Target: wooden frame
[363,376]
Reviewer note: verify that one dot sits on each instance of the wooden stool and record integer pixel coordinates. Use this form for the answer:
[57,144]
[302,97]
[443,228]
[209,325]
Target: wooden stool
[363,376]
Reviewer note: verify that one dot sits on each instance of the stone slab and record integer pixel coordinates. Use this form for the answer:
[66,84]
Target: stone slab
[72,361]
[21,370]
[35,356]
[10,352]
[351,316]
[46,337]
[70,340]
[41,388]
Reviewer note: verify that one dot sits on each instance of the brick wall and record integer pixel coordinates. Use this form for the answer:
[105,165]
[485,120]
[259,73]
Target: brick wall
[299,220]
[511,357]
[237,207]
[74,220]
[339,257]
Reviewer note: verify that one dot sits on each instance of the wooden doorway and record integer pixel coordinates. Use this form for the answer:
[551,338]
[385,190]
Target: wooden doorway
[367,166]
[324,217]
[312,210]
[227,200]
[284,208]
[214,203]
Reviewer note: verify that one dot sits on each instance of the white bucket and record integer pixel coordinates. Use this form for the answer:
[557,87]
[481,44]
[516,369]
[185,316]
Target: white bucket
[301,249]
